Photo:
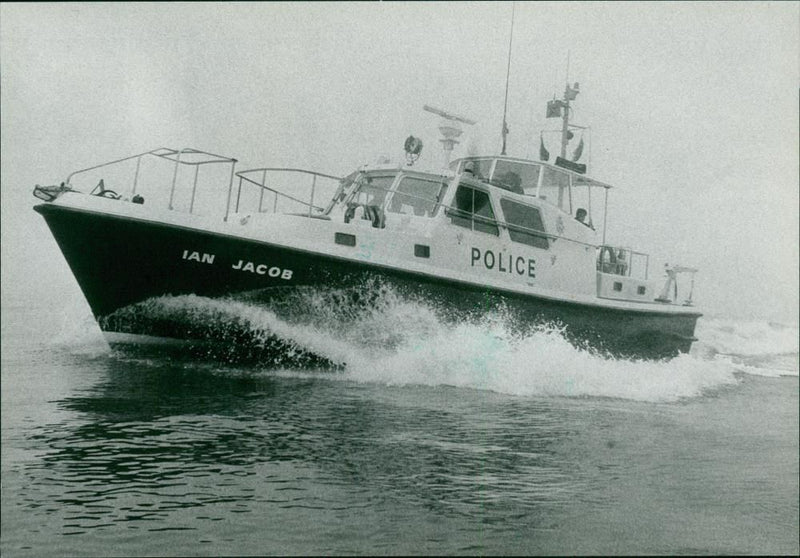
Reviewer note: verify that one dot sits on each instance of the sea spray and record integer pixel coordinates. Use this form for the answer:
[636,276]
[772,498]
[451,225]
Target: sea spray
[755,337]
[231,331]
[374,334]
[542,363]
[78,332]
[753,347]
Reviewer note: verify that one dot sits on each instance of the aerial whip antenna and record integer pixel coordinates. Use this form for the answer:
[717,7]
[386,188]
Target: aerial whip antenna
[508,72]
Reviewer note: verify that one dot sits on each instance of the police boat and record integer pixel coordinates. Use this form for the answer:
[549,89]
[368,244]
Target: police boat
[479,233]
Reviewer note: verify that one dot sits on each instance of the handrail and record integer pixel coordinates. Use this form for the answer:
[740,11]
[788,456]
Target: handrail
[614,265]
[172,155]
[511,226]
[189,150]
[265,187]
[303,171]
[264,170]
[153,152]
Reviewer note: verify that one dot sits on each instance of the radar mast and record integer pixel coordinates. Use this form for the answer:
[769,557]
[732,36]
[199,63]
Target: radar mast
[450,128]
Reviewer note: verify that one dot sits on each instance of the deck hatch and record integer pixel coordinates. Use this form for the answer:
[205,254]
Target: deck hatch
[422,251]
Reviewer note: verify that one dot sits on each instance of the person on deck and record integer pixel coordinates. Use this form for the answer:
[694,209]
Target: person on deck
[581,215]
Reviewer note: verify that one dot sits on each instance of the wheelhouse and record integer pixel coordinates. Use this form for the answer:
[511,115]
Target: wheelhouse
[524,193]
[391,191]
[570,192]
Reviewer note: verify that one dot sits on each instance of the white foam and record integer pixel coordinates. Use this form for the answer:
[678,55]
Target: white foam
[79,333]
[260,320]
[543,363]
[395,341]
[743,337]
[387,339]
[753,347]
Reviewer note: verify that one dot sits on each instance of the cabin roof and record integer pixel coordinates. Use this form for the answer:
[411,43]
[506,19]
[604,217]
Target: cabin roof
[578,179]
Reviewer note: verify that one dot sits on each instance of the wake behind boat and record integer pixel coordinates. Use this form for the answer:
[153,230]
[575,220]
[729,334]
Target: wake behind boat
[479,234]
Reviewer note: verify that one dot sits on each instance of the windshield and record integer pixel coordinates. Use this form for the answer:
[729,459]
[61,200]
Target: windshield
[555,189]
[345,189]
[513,176]
[478,168]
[362,189]
[371,190]
[417,196]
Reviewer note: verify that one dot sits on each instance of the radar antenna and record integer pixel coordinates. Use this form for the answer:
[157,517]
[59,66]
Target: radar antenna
[451,130]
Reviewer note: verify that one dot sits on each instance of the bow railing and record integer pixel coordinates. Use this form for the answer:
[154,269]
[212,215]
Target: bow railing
[122,176]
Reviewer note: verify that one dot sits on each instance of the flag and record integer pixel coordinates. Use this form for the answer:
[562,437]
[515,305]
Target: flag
[571,92]
[554,108]
[578,151]
[544,155]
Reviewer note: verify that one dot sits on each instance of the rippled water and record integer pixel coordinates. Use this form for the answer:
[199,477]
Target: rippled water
[110,453]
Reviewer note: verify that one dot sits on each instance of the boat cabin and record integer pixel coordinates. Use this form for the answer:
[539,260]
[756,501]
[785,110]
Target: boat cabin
[525,206]
[566,190]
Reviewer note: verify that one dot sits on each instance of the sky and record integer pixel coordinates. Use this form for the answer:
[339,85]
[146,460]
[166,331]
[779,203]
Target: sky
[693,109]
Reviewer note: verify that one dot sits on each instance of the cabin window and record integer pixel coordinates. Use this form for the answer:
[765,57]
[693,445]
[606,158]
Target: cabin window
[523,220]
[344,239]
[372,190]
[415,196]
[555,189]
[480,168]
[524,175]
[473,210]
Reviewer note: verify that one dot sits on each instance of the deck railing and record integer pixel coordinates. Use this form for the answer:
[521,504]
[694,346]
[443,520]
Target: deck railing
[184,157]
[258,178]
[622,261]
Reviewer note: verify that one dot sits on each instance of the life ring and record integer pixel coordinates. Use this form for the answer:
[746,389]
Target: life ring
[372,213]
[612,259]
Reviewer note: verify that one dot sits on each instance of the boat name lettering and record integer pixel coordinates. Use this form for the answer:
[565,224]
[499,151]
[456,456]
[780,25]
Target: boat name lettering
[198,257]
[263,269]
[505,263]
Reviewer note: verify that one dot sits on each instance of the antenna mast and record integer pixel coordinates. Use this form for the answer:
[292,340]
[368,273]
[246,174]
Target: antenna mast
[450,129]
[569,95]
[508,73]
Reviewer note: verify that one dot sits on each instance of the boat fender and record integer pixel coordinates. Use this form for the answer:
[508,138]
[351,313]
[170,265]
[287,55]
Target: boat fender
[110,194]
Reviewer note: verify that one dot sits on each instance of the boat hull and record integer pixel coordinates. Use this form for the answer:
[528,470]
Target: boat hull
[121,261]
